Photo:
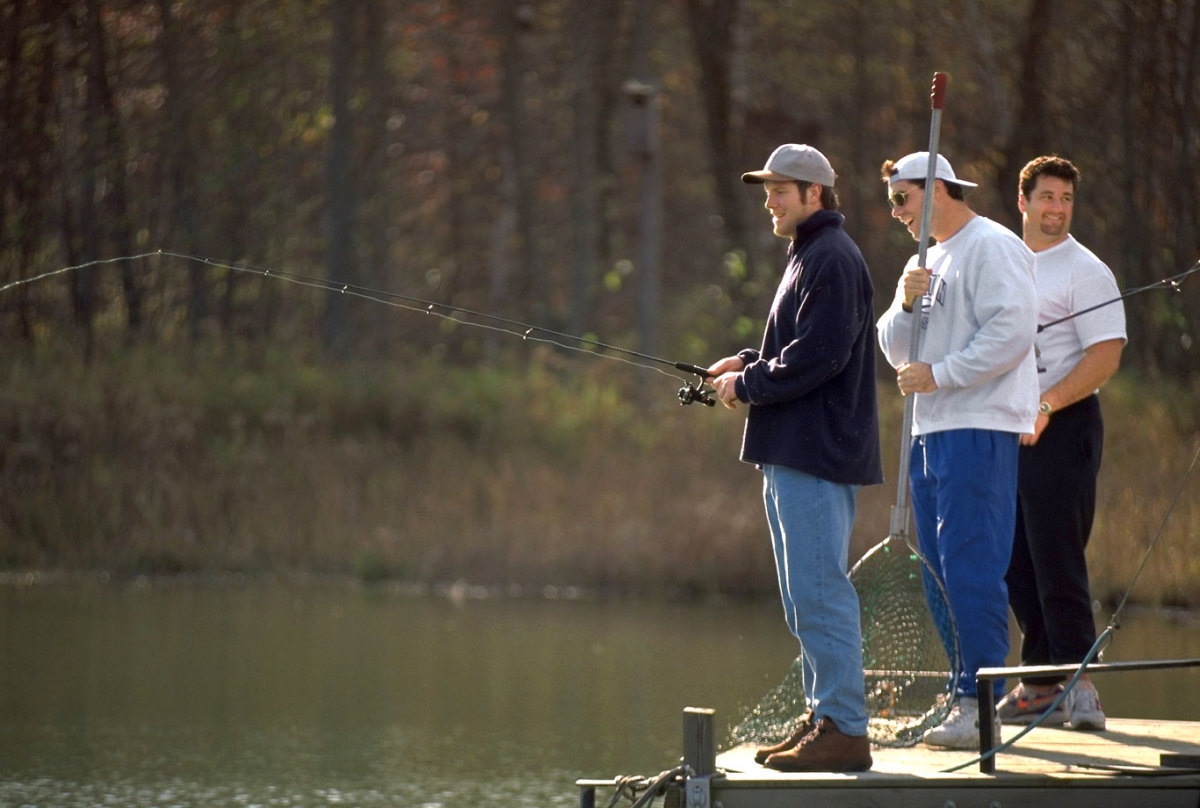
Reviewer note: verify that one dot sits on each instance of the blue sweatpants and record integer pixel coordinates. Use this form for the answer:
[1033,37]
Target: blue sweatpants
[964,491]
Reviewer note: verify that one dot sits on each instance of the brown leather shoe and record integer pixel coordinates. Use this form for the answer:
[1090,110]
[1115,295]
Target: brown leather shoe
[826,749]
[807,724]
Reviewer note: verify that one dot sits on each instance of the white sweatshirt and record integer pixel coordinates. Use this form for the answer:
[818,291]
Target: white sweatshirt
[979,320]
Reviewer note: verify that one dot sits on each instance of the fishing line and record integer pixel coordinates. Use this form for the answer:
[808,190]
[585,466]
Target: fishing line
[692,391]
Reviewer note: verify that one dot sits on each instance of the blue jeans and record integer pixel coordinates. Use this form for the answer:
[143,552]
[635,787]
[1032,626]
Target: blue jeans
[810,521]
[964,498]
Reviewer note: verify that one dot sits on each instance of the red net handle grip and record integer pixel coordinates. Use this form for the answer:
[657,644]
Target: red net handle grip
[937,96]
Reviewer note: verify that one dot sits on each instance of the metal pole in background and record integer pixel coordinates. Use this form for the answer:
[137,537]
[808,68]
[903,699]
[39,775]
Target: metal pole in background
[643,140]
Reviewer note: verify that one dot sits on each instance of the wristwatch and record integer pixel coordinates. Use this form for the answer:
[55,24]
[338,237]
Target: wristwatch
[1044,408]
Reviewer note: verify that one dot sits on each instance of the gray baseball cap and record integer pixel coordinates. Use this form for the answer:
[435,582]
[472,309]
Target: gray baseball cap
[912,167]
[794,161]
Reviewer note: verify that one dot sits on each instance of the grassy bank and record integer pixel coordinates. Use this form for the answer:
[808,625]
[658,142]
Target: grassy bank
[555,471]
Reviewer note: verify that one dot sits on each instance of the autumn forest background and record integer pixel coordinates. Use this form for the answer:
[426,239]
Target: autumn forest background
[564,163]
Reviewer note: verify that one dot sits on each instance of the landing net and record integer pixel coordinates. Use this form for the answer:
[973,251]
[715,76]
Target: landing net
[907,628]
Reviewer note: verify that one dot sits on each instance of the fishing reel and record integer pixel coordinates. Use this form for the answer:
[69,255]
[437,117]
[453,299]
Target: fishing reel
[696,391]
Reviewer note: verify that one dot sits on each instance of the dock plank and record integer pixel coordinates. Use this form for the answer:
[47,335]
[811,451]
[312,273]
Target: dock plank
[1120,767]
[1127,742]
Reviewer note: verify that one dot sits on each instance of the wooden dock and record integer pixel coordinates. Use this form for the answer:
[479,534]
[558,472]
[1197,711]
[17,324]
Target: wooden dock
[1132,764]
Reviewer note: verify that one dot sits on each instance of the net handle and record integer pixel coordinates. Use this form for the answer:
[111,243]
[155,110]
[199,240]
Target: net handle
[900,518]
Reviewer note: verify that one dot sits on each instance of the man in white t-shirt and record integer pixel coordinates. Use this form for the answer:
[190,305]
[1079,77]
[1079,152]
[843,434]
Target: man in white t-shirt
[1057,466]
[975,382]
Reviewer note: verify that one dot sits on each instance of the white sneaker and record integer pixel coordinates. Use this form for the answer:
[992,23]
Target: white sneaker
[960,730]
[1083,706]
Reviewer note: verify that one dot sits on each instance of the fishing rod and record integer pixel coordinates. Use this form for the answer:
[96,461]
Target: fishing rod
[1172,283]
[693,390]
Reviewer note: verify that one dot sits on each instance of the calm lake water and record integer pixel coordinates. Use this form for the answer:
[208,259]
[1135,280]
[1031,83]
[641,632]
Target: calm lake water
[334,695]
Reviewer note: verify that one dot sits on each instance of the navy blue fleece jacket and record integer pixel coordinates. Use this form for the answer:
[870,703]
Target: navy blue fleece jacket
[811,387]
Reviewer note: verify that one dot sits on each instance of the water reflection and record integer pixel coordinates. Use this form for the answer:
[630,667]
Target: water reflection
[331,695]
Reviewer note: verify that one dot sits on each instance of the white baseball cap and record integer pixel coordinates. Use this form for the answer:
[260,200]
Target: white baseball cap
[914,167]
[794,161]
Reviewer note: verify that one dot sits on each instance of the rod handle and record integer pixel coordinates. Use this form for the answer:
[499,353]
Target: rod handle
[699,371]
[937,95]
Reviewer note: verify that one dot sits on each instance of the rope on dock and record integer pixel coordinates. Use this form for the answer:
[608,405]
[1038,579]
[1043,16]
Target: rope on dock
[628,786]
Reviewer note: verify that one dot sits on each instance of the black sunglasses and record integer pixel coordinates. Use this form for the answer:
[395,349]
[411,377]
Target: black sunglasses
[898,198]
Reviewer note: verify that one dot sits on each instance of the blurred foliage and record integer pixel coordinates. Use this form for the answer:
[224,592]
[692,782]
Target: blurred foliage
[488,155]
[544,469]
[167,415]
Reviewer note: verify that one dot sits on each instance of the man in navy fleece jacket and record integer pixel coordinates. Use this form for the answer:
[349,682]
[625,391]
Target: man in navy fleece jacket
[813,429]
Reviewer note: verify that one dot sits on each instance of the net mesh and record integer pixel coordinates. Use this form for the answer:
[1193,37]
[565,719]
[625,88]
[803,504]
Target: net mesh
[910,654]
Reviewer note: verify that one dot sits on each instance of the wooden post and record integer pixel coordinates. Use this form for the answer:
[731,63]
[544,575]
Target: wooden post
[698,749]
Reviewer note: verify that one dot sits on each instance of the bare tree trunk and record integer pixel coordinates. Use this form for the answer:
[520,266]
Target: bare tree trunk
[1030,131]
[499,268]
[461,248]
[714,27]
[376,214]
[585,211]
[88,218]
[110,157]
[26,104]
[1127,94]
[860,153]
[518,23]
[340,204]
[609,72]
[1144,101]
[1180,155]
[1188,137]
[180,158]
[12,112]
[235,192]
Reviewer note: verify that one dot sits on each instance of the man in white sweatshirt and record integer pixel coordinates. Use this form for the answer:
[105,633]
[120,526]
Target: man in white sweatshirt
[975,382]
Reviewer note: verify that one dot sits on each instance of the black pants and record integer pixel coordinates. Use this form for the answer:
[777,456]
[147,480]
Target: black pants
[1056,501]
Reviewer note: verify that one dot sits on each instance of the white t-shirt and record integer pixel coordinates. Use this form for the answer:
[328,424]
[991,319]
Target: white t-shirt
[1070,278]
[979,319]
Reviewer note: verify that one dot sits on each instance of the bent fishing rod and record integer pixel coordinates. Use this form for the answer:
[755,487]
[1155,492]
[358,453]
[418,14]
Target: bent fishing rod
[691,392]
[1172,283]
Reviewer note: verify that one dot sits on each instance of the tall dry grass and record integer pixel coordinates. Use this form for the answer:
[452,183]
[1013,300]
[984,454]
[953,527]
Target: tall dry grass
[547,471]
